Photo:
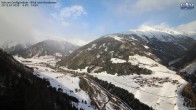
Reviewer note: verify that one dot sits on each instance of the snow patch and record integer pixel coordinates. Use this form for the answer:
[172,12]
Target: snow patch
[93,45]
[115,37]
[116,60]
[133,38]
[98,56]
[106,49]
[146,47]
[58,54]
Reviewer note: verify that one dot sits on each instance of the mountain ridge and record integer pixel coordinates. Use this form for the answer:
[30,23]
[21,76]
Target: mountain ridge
[46,47]
[162,48]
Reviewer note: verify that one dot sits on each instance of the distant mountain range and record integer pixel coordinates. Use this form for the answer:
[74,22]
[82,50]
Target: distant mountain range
[14,47]
[47,47]
[166,30]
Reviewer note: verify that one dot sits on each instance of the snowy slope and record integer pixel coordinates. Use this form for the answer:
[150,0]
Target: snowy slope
[161,33]
[150,32]
[69,83]
[161,90]
[66,82]
[145,28]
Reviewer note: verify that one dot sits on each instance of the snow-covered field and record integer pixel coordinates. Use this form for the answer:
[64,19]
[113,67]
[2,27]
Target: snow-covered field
[161,90]
[38,60]
[68,83]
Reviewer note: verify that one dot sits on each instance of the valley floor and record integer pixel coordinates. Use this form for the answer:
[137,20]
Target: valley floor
[161,90]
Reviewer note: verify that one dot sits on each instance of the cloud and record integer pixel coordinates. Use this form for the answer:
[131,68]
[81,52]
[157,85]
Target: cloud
[72,11]
[19,25]
[67,16]
[36,24]
[165,27]
[22,26]
[70,25]
[190,26]
[77,41]
[68,13]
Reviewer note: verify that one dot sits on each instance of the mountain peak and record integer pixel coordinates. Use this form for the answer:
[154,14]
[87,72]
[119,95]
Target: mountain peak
[161,29]
[49,47]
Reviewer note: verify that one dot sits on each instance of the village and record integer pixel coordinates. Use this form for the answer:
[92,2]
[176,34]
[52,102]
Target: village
[154,81]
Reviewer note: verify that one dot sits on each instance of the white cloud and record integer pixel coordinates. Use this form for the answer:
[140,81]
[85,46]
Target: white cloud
[188,27]
[19,24]
[36,24]
[161,25]
[22,26]
[73,11]
[77,41]
[67,16]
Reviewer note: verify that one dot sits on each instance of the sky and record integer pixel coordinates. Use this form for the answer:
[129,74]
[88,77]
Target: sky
[81,21]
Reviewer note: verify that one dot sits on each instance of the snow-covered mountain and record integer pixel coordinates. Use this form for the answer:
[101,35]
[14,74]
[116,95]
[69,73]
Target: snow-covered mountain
[46,47]
[13,47]
[137,62]
[112,52]
[109,50]
[169,43]
[161,30]
[160,33]
[49,47]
